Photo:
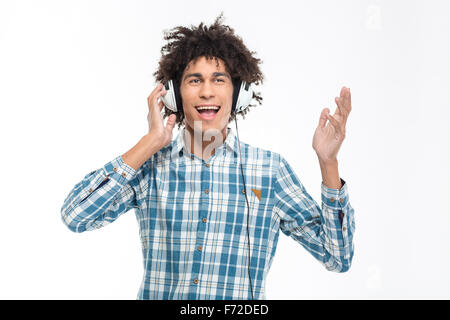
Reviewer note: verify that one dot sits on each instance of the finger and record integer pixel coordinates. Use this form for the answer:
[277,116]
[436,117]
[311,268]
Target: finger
[154,92]
[171,122]
[323,118]
[340,108]
[159,96]
[155,100]
[156,111]
[157,89]
[335,124]
[345,95]
[349,101]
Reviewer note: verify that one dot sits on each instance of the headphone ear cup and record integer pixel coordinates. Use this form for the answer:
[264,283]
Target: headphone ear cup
[177,96]
[236,89]
[169,98]
[244,97]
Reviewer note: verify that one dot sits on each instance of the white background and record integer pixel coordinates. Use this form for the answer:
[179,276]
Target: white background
[74,82]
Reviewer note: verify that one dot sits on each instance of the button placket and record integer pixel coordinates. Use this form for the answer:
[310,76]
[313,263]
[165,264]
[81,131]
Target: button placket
[205,185]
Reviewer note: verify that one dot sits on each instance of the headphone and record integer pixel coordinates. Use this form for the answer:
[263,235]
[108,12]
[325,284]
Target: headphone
[242,95]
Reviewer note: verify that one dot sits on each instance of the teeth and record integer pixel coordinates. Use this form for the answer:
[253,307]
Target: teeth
[208,108]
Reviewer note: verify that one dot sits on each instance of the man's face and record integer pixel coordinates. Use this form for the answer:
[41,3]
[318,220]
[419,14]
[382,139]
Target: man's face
[207,93]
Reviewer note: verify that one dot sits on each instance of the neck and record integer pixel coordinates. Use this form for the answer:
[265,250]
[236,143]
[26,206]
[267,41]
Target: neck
[204,143]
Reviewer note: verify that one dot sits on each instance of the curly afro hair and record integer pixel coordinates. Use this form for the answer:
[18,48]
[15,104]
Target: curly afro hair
[216,41]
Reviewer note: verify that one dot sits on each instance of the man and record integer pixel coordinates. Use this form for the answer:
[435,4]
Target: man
[189,194]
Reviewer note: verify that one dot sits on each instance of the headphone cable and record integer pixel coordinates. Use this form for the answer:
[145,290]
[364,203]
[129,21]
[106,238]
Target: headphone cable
[248,207]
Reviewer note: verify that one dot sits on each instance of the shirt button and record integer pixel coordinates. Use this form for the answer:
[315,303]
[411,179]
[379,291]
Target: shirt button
[341,215]
[90,190]
[199,248]
[195,280]
[115,169]
[243,191]
[344,229]
[204,220]
[332,199]
[341,200]
[207,165]
[206,191]
[124,174]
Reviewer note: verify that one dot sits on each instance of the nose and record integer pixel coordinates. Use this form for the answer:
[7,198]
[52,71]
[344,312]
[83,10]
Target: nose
[206,90]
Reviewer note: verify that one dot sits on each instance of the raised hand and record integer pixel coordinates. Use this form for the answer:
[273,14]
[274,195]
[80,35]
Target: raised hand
[328,137]
[160,133]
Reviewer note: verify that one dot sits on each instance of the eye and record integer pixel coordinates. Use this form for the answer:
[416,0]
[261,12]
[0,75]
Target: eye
[194,80]
[221,80]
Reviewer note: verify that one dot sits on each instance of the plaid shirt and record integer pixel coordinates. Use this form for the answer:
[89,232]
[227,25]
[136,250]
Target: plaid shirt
[192,217]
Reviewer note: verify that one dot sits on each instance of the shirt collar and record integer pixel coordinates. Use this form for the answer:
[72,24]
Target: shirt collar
[228,148]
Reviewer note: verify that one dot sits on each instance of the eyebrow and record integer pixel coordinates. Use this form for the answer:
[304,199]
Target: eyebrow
[199,75]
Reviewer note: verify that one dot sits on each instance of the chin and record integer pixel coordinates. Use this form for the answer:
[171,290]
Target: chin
[212,127]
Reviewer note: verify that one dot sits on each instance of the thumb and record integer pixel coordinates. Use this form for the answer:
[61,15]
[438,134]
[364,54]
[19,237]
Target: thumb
[323,117]
[171,122]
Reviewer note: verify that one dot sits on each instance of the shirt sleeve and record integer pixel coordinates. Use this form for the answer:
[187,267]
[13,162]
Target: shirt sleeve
[101,197]
[327,232]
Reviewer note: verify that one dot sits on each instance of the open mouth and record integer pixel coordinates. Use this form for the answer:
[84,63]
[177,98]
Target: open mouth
[207,112]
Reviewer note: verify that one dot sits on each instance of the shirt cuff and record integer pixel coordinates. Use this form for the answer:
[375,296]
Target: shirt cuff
[118,170]
[335,199]
[338,216]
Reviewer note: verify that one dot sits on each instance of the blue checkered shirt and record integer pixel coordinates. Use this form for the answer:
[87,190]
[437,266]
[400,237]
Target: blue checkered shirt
[192,217]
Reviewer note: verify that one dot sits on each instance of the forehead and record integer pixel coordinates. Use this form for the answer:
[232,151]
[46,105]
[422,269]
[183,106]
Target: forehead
[204,65]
